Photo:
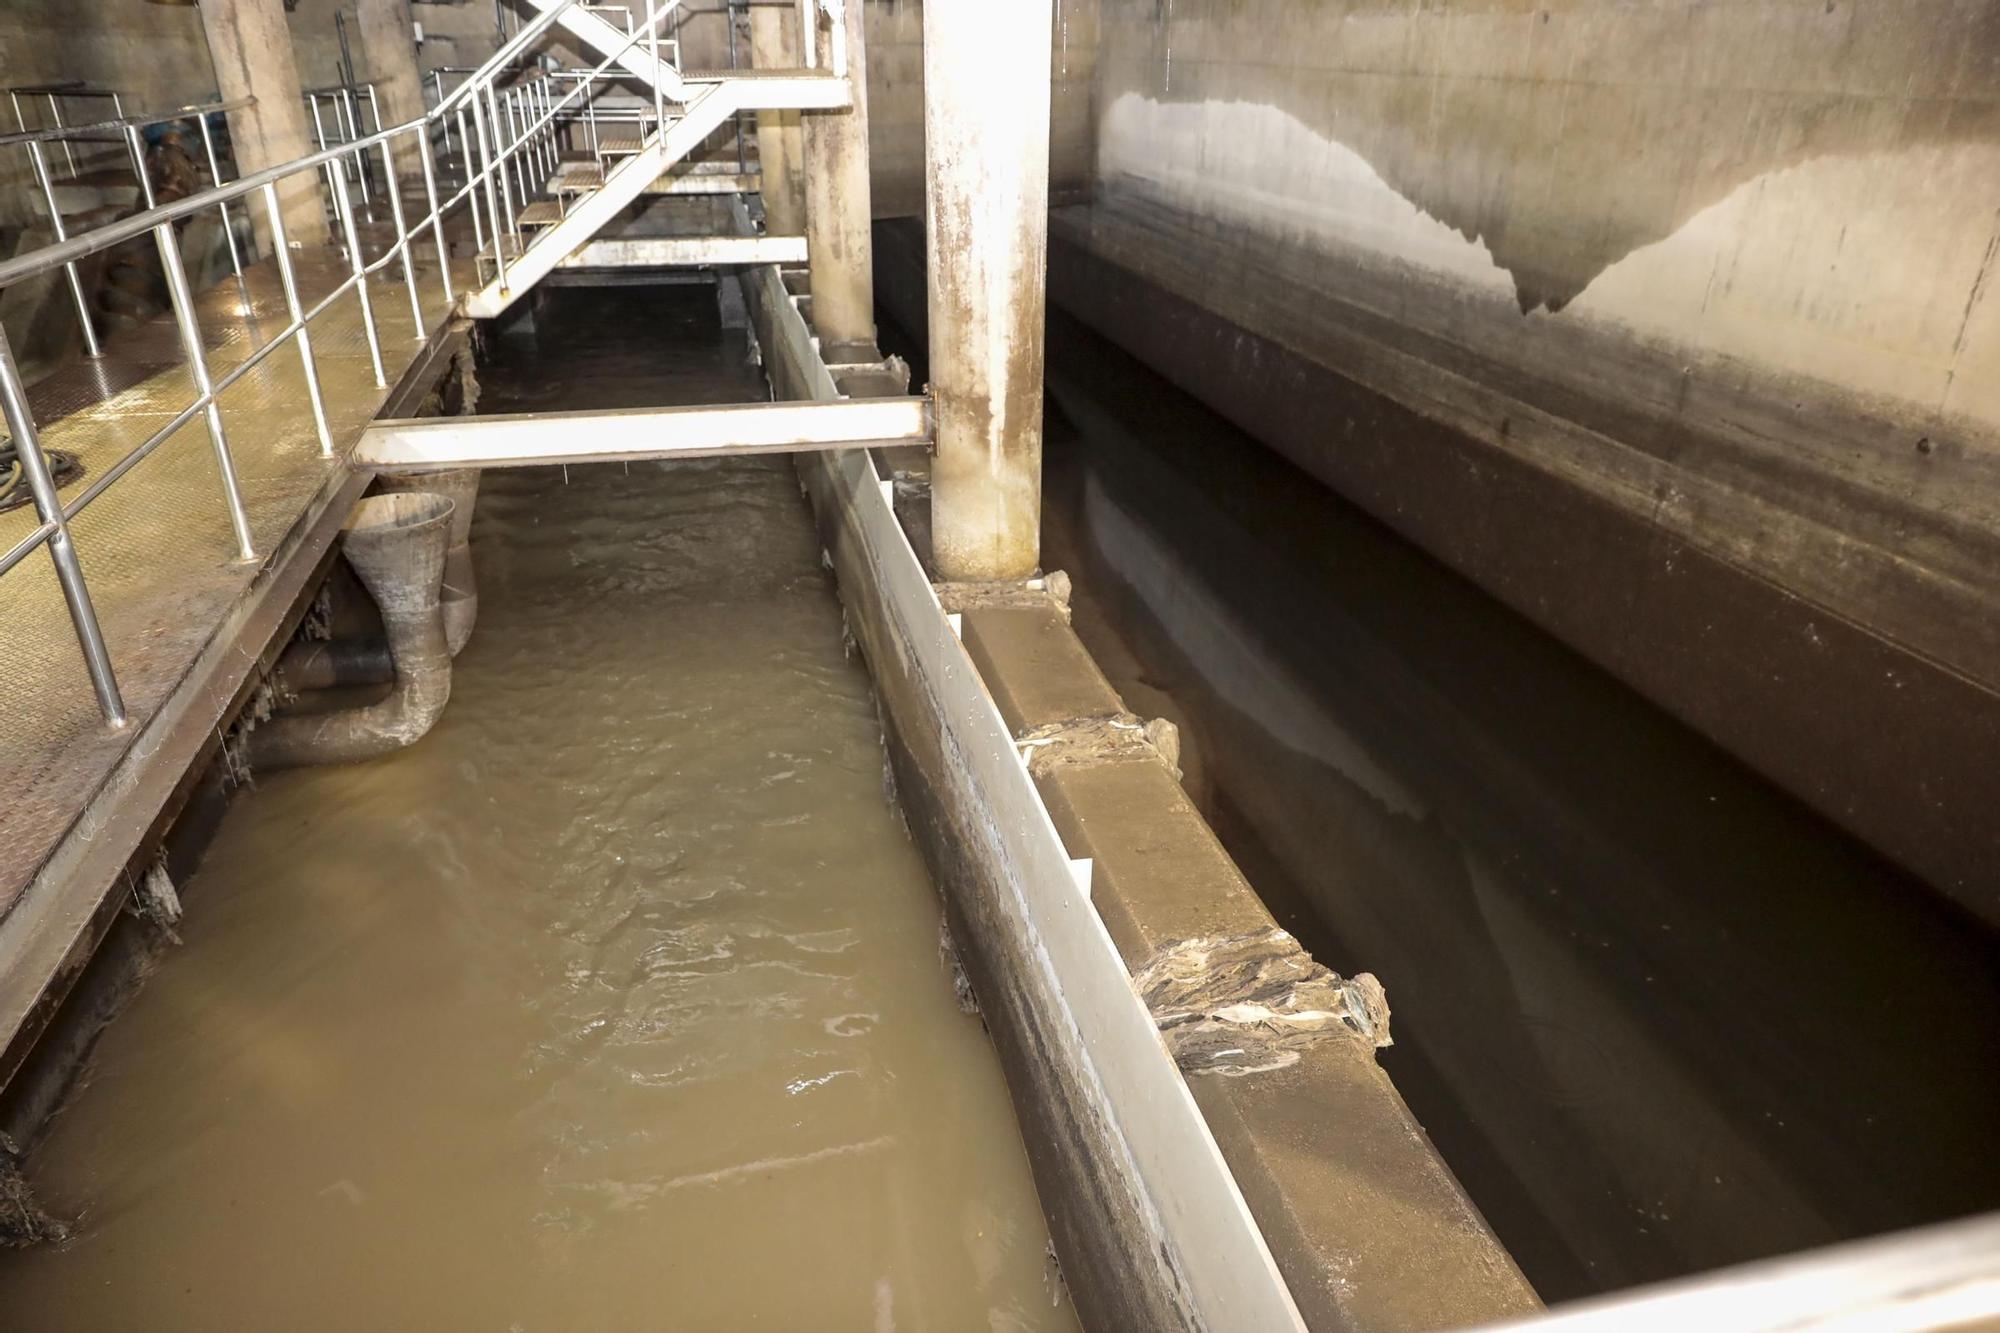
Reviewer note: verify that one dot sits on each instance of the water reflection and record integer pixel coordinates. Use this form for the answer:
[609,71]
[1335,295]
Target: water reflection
[1657,1016]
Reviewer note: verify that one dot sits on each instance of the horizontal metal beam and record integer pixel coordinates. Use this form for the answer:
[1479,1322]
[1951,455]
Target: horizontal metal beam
[423,444]
[684,251]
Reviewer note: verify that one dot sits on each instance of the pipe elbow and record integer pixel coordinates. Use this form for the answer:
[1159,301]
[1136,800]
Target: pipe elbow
[397,544]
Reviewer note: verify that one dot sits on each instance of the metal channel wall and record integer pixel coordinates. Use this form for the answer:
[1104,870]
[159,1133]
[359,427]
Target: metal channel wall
[1149,1225]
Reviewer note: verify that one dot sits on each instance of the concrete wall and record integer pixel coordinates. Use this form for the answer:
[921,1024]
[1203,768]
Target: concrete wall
[896,103]
[1695,297]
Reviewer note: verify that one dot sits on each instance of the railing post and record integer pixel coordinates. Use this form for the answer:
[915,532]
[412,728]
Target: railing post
[486,174]
[56,120]
[493,124]
[182,300]
[551,150]
[471,174]
[444,122]
[319,138]
[659,96]
[524,152]
[215,174]
[297,315]
[403,240]
[351,119]
[137,151]
[62,550]
[345,207]
[437,214]
[41,169]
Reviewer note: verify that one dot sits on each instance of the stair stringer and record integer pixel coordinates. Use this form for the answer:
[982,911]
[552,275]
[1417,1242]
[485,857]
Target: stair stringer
[636,59]
[594,211]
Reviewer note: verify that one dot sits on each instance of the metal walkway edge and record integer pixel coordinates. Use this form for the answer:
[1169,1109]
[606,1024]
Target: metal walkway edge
[181,615]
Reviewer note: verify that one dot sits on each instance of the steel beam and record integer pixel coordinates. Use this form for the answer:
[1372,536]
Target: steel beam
[711,104]
[427,443]
[682,251]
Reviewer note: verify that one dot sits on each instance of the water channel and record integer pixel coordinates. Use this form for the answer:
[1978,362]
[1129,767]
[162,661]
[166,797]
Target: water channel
[616,1002]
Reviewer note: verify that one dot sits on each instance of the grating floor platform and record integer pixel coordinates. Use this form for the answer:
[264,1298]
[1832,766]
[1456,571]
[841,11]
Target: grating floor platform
[156,547]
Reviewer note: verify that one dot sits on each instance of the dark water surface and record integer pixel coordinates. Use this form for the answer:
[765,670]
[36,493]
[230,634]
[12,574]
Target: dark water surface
[1657,1016]
[614,1003]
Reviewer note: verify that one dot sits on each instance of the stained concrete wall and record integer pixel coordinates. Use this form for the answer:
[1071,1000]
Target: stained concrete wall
[895,34]
[1669,321]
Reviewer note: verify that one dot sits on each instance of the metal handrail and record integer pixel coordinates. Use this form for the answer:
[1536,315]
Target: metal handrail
[515,131]
[121,123]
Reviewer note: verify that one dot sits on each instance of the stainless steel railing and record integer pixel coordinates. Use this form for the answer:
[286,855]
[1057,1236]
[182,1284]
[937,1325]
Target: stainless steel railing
[347,107]
[125,132]
[507,153]
[331,166]
[53,95]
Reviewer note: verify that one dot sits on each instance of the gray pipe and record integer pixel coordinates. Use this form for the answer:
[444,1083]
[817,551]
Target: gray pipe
[396,544]
[461,593]
[326,664]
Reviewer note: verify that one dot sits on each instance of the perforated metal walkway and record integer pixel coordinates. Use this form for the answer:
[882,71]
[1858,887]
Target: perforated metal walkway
[160,557]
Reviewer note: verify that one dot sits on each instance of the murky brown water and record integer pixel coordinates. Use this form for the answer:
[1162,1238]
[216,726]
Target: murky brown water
[614,1003]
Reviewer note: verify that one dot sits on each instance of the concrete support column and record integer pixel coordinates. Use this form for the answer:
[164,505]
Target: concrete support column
[389,54]
[252,51]
[986,153]
[774,44]
[838,247]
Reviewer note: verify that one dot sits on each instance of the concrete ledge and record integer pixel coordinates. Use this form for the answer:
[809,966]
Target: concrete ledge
[1367,1224]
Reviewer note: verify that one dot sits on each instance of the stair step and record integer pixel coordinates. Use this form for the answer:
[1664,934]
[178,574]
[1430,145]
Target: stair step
[577,178]
[541,213]
[620,145]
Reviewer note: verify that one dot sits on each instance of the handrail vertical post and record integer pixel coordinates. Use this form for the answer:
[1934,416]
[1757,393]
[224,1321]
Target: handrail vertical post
[62,550]
[524,151]
[403,240]
[659,96]
[215,174]
[351,120]
[437,215]
[499,164]
[137,151]
[471,175]
[41,169]
[56,120]
[344,205]
[319,137]
[546,114]
[486,173]
[296,314]
[182,299]
[444,121]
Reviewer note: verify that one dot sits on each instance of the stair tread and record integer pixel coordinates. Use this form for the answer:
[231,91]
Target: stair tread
[541,213]
[721,75]
[577,178]
[608,144]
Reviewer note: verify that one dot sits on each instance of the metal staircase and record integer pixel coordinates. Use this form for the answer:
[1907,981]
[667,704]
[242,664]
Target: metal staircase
[554,201]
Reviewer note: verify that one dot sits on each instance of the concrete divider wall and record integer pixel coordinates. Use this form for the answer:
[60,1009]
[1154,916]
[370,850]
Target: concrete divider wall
[1670,323]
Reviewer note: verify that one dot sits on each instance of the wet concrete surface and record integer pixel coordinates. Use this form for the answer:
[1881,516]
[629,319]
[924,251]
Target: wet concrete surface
[616,1002]
[1657,1016]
